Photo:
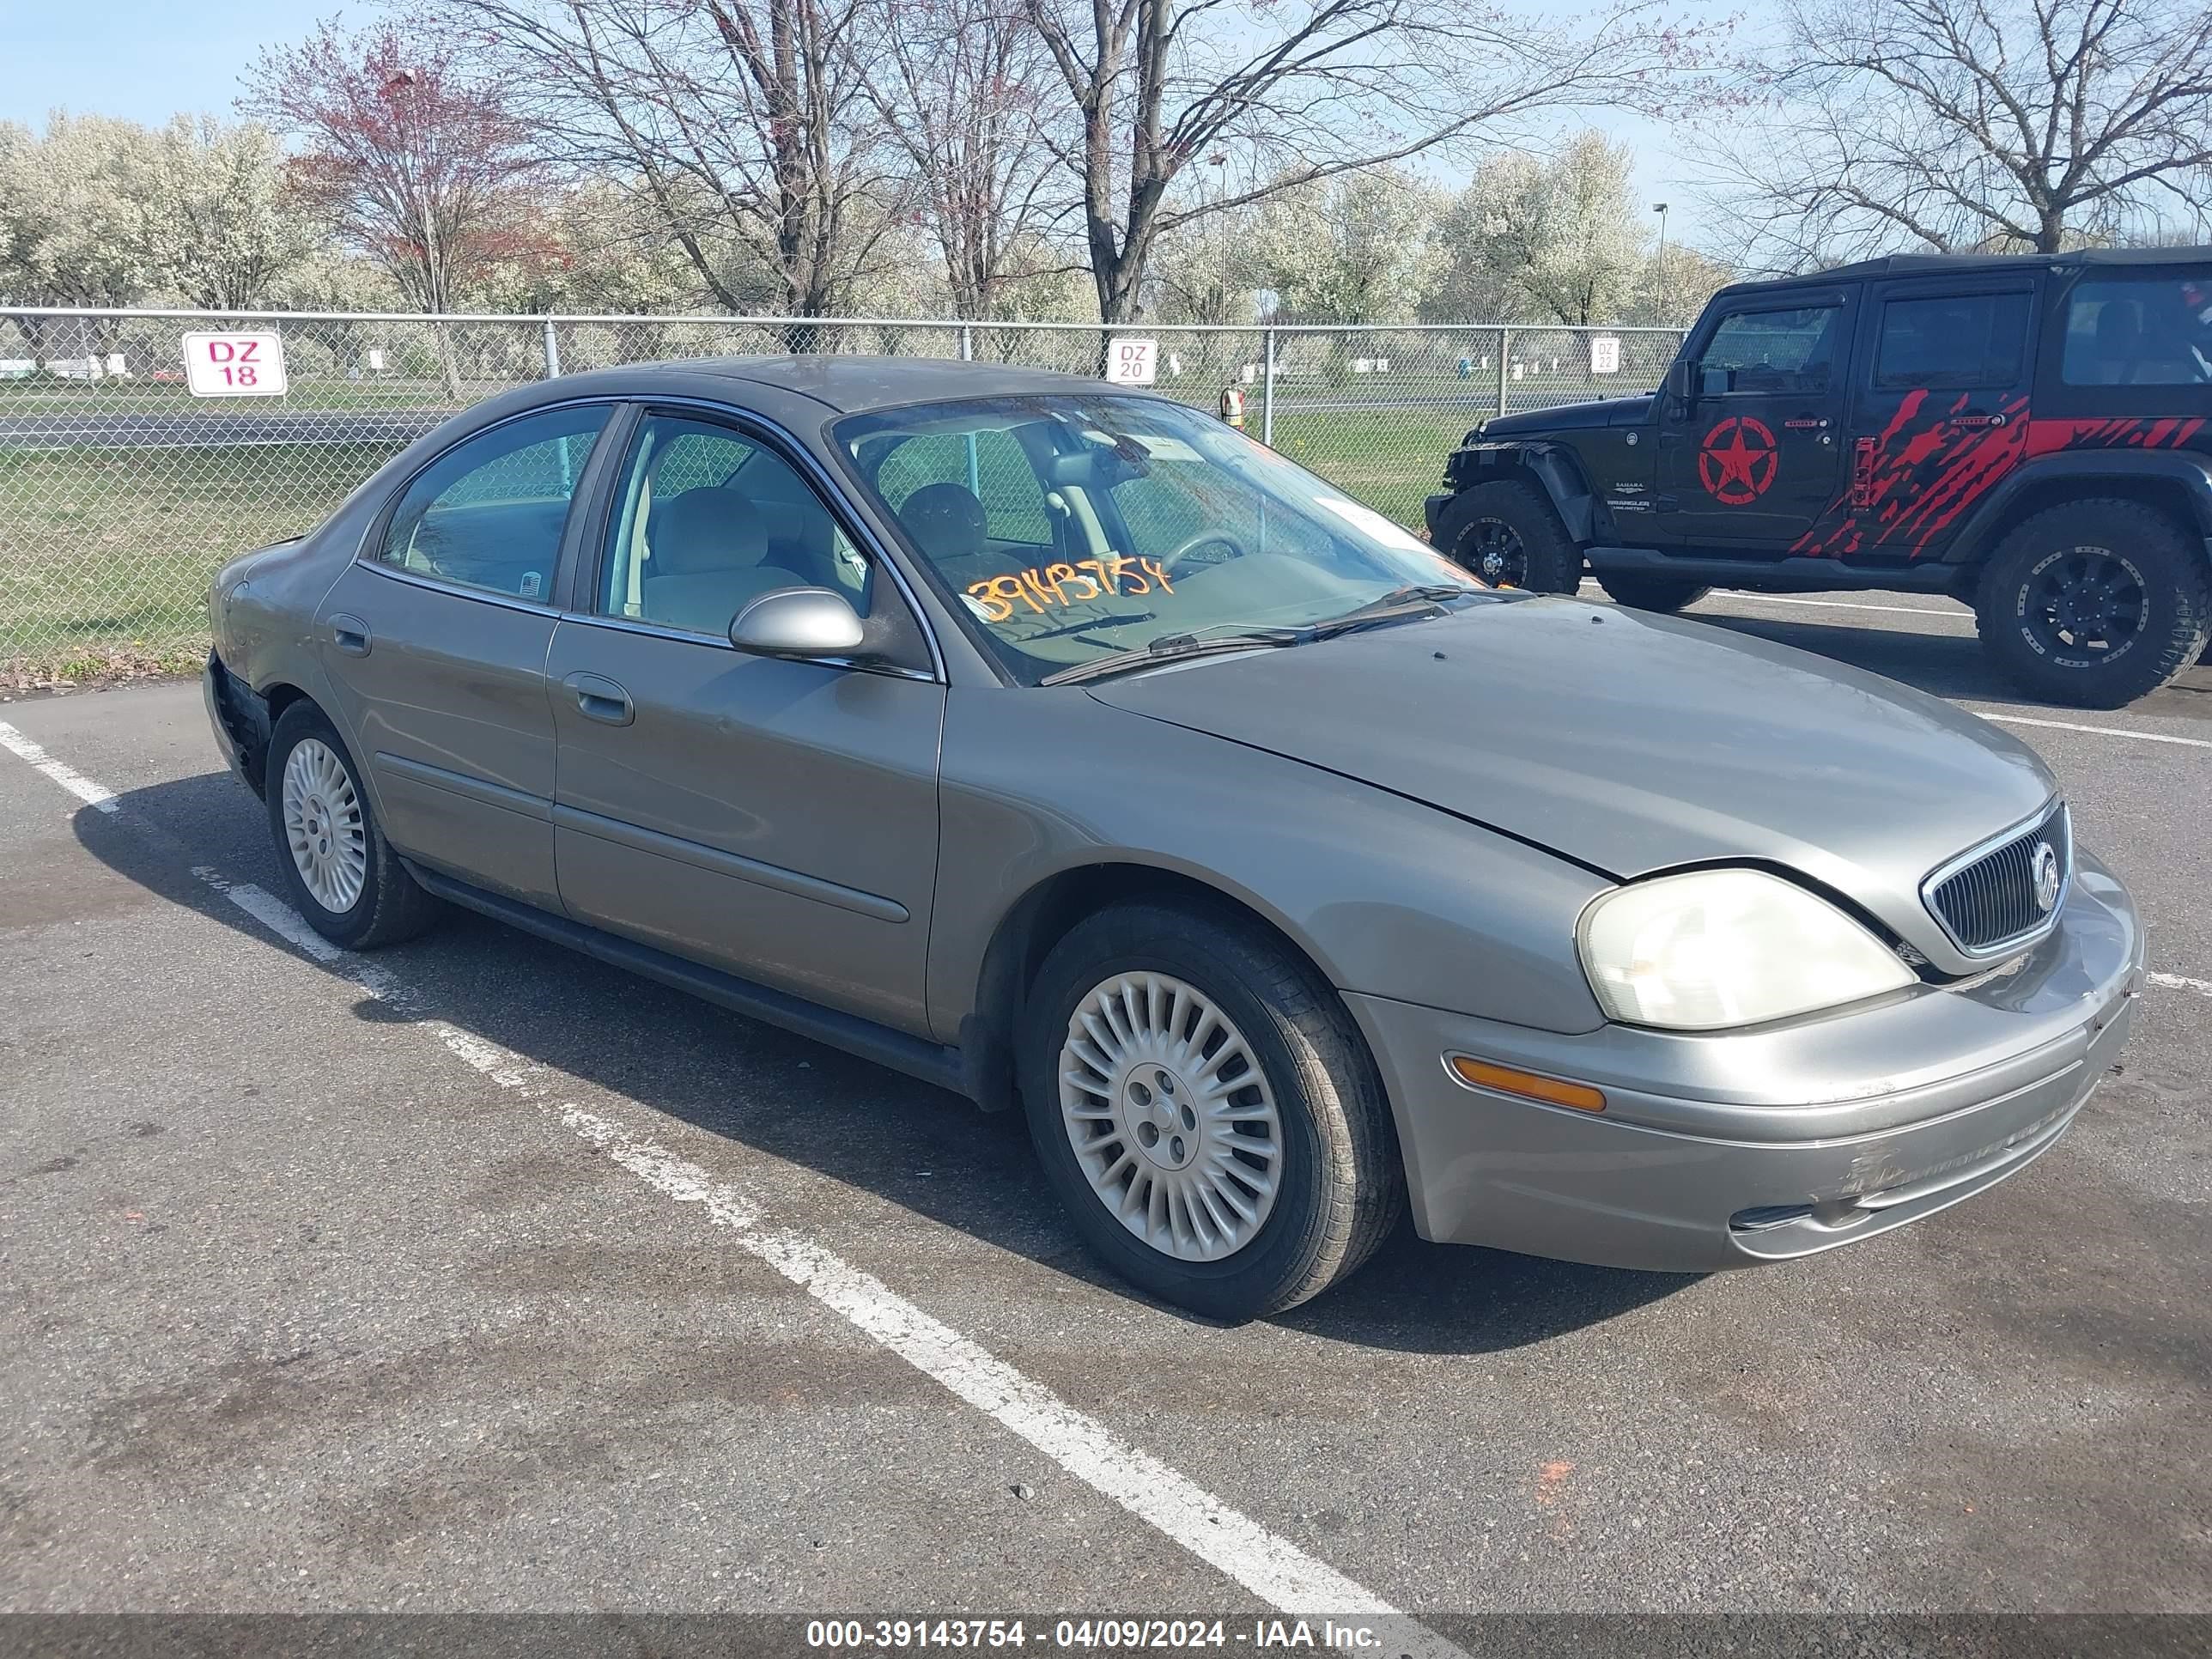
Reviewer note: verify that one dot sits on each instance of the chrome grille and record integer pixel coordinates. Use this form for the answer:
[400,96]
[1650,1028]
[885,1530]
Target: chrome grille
[1987,900]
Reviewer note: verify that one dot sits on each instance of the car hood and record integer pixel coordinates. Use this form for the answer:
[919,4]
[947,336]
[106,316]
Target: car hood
[1569,417]
[1630,743]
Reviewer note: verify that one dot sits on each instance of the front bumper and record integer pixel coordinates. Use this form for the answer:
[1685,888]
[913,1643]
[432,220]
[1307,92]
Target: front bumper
[1723,1150]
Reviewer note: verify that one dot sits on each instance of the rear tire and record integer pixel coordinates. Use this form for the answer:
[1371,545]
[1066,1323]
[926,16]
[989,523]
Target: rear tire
[1508,535]
[339,872]
[1136,1013]
[1667,594]
[2093,604]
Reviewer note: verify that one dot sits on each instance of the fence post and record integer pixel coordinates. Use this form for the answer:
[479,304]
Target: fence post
[1268,388]
[552,352]
[967,342]
[1505,345]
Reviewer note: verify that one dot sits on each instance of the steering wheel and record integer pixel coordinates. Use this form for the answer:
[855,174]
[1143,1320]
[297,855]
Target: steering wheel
[1174,562]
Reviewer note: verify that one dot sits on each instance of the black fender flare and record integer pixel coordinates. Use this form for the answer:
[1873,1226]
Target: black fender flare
[1553,467]
[2087,468]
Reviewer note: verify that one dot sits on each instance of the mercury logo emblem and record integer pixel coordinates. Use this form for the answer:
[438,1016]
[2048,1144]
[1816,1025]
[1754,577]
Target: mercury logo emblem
[2045,867]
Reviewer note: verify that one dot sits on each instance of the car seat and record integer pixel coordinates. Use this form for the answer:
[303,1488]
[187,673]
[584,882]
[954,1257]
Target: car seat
[707,556]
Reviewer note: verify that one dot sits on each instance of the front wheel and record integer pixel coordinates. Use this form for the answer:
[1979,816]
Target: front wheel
[1662,593]
[1510,537]
[342,874]
[2094,604]
[1204,1106]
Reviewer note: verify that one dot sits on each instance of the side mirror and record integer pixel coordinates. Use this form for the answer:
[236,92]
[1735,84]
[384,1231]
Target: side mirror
[1678,380]
[797,622]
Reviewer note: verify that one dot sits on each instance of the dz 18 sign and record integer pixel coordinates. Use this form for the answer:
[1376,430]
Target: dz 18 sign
[234,365]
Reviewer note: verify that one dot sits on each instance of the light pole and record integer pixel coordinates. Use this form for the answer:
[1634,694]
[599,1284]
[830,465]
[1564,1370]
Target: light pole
[1660,208]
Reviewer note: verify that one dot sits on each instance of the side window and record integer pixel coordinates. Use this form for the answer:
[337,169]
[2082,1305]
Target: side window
[706,519]
[2140,331]
[1771,351]
[1952,340]
[961,470]
[489,513]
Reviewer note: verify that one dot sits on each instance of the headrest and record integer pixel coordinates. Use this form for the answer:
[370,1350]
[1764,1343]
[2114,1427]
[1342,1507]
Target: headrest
[707,529]
[946,520]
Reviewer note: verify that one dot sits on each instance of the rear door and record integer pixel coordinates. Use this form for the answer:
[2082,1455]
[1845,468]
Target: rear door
[1751,459]
[435,639]
[774,818]
[1939,411]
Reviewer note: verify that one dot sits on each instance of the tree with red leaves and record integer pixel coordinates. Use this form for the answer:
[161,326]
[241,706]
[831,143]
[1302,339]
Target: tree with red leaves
[414,160]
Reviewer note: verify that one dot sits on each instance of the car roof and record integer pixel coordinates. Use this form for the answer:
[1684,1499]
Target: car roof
[852,385]
[1944,265]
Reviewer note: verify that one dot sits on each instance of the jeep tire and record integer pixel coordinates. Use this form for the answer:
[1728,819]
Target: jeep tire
[1506,534]
[1640,592]
[2095,603]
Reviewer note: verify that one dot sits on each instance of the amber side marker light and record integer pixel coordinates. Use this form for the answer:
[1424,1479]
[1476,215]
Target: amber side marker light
[1552,1090]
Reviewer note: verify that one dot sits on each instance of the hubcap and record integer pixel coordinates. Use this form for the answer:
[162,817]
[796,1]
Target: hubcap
[322,826]
[1493,551]
[2085,606]
[1171,1117]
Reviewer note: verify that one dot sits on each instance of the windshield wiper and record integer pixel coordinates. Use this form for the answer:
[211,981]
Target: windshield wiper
[1397,603]
[1202,642]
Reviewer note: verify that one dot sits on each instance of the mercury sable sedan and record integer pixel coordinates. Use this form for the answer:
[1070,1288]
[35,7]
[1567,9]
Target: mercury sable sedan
[1062,747]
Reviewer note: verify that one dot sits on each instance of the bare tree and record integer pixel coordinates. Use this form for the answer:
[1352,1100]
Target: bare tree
[746,123]
[962,87]
[1948,125]
[1296,90]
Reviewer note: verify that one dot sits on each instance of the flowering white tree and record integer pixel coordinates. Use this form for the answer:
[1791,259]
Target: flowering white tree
[1555,238]
[215,221]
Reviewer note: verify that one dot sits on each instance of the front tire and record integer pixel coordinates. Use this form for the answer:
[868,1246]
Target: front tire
[1204,1106]
[2094,604]
[1508,537]
[1666,594]
[340,874]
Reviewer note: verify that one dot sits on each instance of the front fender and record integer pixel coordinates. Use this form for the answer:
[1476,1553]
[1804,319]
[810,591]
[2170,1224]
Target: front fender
[1388,896]
[1551,466]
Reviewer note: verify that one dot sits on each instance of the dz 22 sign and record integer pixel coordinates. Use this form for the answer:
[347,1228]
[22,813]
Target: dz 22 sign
[234,365]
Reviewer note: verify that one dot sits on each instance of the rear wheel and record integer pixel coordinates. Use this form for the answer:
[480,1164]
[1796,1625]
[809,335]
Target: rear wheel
[2095,603]
[1510,537]
[1203,1104]
[342,874]
[1642,593]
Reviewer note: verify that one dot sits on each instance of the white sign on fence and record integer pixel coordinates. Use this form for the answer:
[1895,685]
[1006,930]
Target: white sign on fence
[1605,353]
[234,365]
[1132,362]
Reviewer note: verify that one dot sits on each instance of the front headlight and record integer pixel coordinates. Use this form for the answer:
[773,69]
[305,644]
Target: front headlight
[1727,947]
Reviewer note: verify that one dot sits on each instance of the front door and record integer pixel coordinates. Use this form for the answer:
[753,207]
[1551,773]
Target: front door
[435,639]
[1751,458]
[776,818]
[1939,413]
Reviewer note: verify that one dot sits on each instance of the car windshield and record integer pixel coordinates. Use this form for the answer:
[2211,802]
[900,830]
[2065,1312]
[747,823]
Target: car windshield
[1077,528]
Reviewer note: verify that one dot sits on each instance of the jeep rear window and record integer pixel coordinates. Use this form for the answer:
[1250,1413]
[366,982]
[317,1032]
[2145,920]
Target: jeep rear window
[2140,331]
[1952,340]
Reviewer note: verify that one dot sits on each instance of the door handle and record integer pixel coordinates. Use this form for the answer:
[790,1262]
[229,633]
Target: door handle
[600,699]
[351,636]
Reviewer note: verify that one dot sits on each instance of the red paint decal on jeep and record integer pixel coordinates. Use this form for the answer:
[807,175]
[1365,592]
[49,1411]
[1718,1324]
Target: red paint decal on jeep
[2112,432]
[1908,485]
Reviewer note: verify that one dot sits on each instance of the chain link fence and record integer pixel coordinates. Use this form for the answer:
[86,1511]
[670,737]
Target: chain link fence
[120,491]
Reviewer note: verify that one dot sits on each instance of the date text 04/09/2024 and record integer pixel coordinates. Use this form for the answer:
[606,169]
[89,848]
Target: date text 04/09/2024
[1089,1635]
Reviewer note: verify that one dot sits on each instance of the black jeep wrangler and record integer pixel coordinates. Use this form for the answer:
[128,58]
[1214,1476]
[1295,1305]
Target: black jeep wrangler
[2030,434]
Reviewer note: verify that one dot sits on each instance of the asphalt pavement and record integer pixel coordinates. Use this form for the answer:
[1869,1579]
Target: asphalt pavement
[474,1275]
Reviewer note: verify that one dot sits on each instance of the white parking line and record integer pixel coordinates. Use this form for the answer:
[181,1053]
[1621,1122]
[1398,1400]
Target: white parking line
[2101,731]
[1842,604]
[2181,982]
[1270,1567]
[69,777]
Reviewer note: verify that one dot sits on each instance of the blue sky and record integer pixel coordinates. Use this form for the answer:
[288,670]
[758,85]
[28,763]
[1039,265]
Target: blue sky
[148,59]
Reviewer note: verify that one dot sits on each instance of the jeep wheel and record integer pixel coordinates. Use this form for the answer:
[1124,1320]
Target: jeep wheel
[1640,592]
[2094,604]
[1508,537]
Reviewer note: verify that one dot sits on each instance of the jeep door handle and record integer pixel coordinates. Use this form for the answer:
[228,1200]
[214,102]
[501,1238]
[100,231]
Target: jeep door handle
[600,699]
[351,636]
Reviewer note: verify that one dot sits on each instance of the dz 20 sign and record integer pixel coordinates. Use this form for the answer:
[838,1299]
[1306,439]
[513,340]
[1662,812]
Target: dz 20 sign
[234,365]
